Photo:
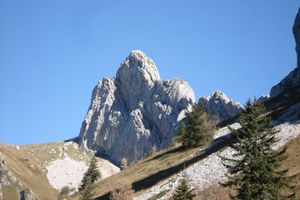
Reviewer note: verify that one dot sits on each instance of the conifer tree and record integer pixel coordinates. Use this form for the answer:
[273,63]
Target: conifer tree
[199,130]
[254,170]
[91,175]
[87,191]
[183,191]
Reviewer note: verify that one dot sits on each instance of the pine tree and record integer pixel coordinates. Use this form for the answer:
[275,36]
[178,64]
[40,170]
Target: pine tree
[199,130]
[183,191]
[87,191]
[254,170]
[91,175]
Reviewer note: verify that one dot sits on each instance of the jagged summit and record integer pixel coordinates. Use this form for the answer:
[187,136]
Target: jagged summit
[136,110]
[220,106]
[136,77]
[138,64]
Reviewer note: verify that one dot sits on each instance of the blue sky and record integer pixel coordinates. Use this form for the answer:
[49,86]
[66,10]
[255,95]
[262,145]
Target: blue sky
[52,53]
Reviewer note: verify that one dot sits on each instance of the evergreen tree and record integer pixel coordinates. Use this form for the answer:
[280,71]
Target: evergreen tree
[91,175]
[199,130]
[254,169]
[87,191]
[183,191]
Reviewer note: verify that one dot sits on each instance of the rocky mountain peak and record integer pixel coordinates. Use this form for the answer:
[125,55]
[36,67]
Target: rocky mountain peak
[219,96]
[138,65]
[135,111]
[220,106]
[136,77]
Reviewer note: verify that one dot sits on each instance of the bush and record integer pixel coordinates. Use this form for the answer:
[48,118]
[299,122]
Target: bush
[199,130]
[65,191]
[122,191]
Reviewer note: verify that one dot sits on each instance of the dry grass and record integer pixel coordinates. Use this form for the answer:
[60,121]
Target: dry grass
[9,192]
[20,163]
[29,164]
[145,168]
[292,163]
[214,192]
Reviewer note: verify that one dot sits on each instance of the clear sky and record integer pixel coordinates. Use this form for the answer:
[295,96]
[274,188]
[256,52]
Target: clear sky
[52,53]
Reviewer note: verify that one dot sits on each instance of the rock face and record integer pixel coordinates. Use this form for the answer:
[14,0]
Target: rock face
[136,110]
[292,79]
[220,106]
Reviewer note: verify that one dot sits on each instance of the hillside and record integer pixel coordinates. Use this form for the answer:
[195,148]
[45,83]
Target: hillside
[45,168]
[158,173]
[150,176]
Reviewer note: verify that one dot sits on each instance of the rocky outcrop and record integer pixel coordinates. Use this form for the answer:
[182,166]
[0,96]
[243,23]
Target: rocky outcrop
[136,110]
[292,80]
[263,98]
[220,106]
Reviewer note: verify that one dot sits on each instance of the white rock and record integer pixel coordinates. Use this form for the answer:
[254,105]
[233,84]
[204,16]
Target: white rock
[220,106]
[135,111]
[66,172]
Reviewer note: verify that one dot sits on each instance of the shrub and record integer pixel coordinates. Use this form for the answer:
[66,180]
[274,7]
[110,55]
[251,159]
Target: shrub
[199,130]
[122,191]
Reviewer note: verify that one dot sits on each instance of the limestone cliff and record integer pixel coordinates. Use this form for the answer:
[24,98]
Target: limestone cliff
[134,111]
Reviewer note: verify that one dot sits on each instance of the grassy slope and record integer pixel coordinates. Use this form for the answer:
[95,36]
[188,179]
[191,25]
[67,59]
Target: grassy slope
[149,168]
[293,161]
[168,159]
[18,162]
[143,169]
[29,163]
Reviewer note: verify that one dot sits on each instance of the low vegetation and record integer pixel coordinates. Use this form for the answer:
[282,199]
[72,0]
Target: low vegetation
[199,130]
[122,191]
[183,191]
[89,178]
[91,175]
